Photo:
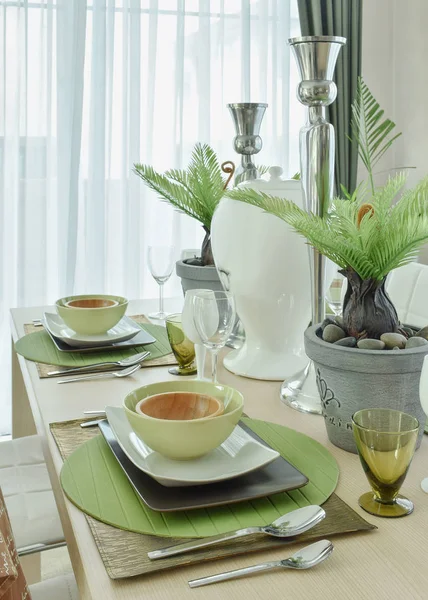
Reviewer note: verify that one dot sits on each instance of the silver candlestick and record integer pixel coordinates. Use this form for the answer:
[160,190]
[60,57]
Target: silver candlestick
[247,117]
[316,58]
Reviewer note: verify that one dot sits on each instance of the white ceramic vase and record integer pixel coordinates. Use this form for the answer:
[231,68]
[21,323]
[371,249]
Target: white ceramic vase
[264,263]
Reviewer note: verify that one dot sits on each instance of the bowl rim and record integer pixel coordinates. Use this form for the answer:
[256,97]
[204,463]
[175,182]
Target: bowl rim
[220,405]
[240,406]
[60,303]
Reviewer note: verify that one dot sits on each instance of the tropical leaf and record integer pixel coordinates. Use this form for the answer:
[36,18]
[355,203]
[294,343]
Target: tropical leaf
[388,237]
[371,132]
[196,191]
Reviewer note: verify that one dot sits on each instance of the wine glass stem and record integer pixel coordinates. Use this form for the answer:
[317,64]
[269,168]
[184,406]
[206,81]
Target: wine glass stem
[214,356]
[161,298]
[200,352]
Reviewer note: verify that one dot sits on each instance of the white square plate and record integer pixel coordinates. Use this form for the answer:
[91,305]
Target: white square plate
[126,329]
[238,455]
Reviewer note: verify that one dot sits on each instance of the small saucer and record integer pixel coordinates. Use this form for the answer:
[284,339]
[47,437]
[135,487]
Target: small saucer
[125,330]
[238,455]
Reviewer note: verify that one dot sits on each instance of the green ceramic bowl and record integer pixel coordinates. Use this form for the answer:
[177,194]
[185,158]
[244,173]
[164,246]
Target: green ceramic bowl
[184,440]
[91,314]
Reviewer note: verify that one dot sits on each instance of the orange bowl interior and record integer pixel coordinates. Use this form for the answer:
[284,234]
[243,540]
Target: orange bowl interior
[180,406]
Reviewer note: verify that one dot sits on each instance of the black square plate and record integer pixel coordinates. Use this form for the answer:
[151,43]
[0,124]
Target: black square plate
[278,476]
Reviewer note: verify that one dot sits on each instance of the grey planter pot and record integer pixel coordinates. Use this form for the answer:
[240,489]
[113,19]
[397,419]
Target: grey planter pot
[350,379]
[197,278]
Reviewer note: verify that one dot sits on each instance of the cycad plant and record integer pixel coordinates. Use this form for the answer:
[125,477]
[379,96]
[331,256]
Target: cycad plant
[195,191]
[366,236]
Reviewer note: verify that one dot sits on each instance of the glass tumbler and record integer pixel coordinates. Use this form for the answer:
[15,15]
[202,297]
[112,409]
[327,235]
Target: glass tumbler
[182,347]
[386,441]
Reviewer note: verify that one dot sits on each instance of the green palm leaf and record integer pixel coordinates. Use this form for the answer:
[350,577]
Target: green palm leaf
[370,131]
[389,238]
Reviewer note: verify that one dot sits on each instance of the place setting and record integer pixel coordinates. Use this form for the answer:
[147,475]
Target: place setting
[90,335]
[178,473]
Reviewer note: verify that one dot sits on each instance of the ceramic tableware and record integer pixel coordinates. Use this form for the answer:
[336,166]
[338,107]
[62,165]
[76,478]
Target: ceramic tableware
[306,558]
[184,440]
[291,524]
[180,406]
[238,455]
[276,477]
[91,314]
[124,330]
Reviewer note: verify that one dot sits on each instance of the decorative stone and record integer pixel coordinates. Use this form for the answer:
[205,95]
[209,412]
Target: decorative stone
[423,333]
[393,339]
[416,341]
[332,333]
[371,344]
[348,342]
[408,331]
[339,322]
[396,348]
[327,321]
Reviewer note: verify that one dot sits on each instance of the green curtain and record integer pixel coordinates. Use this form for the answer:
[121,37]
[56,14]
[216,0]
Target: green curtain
[344,18]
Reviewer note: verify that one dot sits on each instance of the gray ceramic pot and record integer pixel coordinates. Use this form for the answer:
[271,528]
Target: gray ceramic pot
[350,379]
[195,278]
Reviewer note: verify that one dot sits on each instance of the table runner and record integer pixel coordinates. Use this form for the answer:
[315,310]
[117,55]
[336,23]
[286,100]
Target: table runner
[124,553]
[43,369]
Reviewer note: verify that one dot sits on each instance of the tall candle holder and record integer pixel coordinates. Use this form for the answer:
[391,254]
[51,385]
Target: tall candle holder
[247,118]
[316,58]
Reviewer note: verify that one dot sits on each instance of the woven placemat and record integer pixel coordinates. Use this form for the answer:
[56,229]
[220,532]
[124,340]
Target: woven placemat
[124,553]
[162,361]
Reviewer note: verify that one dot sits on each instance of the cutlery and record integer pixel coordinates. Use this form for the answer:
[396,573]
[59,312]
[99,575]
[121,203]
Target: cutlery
[90,423]
[306,558]
[289,525]
[94,412]
[124,362]
[123,373]
[37,322]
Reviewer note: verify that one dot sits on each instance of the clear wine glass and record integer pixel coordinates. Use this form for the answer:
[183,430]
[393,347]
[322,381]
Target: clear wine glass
[161,263]
[214,318]
[333,295]
[423,396]
[188,323]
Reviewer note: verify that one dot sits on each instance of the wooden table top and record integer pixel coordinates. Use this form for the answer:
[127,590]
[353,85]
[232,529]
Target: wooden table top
[385,564]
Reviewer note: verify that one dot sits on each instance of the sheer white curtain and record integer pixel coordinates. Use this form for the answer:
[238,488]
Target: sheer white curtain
[87,88]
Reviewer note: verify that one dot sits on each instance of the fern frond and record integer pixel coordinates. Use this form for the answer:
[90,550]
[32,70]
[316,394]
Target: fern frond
[370,131]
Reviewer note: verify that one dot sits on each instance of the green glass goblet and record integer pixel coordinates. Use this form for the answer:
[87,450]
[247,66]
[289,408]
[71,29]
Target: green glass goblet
[182,347]
[386,441]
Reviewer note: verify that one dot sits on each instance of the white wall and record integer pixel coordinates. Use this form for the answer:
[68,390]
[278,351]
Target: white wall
[395,67]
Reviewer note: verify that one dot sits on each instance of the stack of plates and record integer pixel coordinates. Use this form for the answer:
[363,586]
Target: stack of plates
[126,334]
[244,467]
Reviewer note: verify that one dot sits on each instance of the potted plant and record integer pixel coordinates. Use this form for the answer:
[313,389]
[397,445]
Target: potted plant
[195,192]
[367,359]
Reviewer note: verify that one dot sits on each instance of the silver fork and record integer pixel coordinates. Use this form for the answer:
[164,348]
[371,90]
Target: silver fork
[124,362]
[123,373]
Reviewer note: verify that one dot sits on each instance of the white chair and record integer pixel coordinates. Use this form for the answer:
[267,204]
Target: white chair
[408,289]
[30,502]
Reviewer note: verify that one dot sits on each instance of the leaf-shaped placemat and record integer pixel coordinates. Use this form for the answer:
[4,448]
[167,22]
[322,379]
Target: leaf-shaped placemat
[94,481]
[39,347]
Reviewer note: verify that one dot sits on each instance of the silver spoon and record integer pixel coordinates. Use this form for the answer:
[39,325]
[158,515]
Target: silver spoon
[124,362]
[294,523]
[123,373]
[307,557]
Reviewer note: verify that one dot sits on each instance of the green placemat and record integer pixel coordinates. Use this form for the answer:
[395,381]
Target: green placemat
[94,481]
[39,348]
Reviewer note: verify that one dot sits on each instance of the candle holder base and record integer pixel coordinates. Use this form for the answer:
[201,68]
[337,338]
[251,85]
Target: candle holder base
[300,391]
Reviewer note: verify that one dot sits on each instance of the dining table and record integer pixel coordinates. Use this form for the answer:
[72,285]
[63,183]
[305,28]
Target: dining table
[390,562]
